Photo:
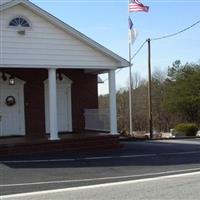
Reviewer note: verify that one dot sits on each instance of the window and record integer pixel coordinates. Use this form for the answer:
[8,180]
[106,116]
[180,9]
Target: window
[19,22]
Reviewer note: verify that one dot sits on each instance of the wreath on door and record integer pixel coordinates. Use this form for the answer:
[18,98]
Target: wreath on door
[10,101]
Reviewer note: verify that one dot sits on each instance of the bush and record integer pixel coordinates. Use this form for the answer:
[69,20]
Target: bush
[187,129]
[124,133]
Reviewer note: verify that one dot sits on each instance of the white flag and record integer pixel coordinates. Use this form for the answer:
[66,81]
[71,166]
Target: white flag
[132,33]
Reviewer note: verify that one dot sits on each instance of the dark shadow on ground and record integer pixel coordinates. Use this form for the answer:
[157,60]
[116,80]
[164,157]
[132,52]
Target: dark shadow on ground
[160,148]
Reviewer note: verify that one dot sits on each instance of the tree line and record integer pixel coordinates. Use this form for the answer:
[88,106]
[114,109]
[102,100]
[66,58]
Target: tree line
[175,99]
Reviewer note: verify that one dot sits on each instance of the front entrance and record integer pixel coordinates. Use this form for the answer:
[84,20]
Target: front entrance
[64,117]
[12,120]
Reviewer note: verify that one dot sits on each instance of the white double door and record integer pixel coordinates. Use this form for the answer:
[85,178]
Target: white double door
[12,120]
[63,106]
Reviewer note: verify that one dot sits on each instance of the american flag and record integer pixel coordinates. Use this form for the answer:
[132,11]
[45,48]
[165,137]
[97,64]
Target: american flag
[136,6]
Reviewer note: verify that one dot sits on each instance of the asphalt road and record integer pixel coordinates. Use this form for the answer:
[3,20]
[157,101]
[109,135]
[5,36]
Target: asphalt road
[136,161]
[172,187]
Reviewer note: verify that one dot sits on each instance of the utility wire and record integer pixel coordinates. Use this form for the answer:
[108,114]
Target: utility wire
[140,48]
[177,33]
[134,55]
[158,38]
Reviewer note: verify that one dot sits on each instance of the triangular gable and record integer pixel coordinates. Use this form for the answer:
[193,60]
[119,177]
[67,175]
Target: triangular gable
[121,61]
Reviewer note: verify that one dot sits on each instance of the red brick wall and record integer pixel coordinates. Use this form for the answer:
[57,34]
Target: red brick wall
[84,95]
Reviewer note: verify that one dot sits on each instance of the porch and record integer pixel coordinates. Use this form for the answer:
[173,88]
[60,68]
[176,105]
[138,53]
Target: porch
[68,143]
[52,101]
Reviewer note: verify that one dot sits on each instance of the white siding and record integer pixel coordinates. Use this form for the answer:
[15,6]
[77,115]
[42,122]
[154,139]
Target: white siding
[4,1]
[44,44]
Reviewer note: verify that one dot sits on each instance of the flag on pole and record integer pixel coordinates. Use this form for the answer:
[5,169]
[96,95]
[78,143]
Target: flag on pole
[136,6]
[132,32]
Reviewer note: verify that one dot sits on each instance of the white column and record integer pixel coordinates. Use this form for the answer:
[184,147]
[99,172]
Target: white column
[112,100]
[53,105]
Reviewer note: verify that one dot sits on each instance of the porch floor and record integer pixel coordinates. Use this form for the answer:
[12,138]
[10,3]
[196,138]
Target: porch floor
[76,142]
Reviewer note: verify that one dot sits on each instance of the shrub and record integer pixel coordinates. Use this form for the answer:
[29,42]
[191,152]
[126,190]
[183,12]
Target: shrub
[188,129]
[124,133]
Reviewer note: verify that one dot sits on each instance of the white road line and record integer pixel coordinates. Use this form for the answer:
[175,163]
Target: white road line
[76,159]
[103,178]
[38,161]
[139,155]
[98,158]
[12,196]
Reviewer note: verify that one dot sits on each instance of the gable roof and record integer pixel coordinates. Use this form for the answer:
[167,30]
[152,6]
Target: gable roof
[10,3]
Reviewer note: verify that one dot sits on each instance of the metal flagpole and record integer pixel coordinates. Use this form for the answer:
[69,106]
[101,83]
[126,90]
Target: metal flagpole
[130,80]
[149,90]
[136,6]
[130,90]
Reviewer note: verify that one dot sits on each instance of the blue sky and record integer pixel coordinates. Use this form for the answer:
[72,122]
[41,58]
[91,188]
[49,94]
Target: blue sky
[106,22]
